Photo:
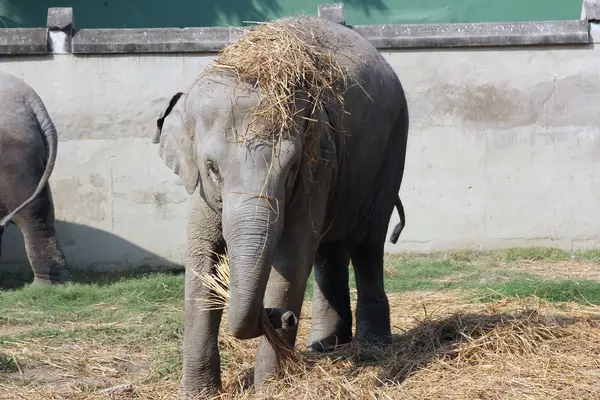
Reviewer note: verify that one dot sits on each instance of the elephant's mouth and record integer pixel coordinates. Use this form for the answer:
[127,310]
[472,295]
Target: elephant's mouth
[280,318]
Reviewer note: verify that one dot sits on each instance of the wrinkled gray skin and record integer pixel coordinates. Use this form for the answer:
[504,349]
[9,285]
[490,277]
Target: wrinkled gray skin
[28,144]
[275,221]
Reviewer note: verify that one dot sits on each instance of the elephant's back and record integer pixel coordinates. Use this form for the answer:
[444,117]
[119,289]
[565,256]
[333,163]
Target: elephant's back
[17,118]
[19,128]
[374,118]
[374,94]
[348,49]
[13,87]
[15,111]
[21,142]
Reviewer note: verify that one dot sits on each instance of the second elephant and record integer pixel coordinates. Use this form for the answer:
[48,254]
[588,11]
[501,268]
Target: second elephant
[28,147]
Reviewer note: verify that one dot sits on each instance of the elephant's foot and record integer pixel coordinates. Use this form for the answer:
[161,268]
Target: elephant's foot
[55,277]
[327,339]
[201,376]
[198,394]
[373,323]
[198,389]
[41,281]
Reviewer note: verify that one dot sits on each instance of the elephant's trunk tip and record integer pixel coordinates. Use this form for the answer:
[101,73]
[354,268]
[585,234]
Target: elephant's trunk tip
[269,319]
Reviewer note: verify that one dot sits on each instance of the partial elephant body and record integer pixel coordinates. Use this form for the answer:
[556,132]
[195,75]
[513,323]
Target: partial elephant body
[28,144]
[276,218]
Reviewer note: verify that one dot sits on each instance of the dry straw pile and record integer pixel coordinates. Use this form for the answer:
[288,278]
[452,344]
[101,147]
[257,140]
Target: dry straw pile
[512,349]
[287,66]
[447,347]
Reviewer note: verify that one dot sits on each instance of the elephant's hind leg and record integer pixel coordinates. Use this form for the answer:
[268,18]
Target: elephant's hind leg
[372,309]
[36,222]
[331,312]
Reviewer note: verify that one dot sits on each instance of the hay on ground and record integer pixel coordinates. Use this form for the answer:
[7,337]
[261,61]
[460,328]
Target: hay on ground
[282,63]
[446,346]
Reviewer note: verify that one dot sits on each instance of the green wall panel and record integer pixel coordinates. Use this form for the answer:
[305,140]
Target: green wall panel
[195,13]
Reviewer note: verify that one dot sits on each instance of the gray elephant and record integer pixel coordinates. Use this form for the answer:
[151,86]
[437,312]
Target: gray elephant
[328,215]
[28,145]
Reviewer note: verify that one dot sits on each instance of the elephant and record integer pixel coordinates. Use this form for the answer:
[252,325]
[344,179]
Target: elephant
[324,216]
[28,144]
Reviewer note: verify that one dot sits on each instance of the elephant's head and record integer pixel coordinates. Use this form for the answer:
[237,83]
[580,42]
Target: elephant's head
[212,141]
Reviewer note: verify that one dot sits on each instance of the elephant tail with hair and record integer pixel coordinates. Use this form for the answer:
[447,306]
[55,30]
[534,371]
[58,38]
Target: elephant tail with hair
[398,229]
[51,137]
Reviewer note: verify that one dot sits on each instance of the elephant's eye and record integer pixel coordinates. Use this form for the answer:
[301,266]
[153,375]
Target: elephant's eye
[213,172]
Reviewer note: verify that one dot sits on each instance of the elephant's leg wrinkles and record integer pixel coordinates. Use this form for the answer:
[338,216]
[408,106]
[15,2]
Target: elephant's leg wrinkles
[331,311]
[201,360]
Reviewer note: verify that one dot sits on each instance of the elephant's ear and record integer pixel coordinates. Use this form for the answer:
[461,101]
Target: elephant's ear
[176,146]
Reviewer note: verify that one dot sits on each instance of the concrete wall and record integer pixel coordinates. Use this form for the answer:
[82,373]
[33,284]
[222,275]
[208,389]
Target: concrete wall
[504,150]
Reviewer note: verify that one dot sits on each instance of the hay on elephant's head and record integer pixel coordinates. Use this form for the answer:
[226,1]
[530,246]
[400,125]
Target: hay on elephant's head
[282,62]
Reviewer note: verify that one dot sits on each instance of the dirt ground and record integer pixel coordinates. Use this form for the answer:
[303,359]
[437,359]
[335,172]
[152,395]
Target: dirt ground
[446,346]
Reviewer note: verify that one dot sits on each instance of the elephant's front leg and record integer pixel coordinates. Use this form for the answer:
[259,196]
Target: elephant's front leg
[201,360]
[285,290]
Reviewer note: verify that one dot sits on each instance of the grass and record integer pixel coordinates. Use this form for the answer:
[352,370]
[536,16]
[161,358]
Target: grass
[137,322]
[150,296]
[584,292]
[8,363]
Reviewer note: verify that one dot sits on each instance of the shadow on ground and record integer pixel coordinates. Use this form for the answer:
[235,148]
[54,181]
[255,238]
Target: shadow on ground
[83,246]
[448,338]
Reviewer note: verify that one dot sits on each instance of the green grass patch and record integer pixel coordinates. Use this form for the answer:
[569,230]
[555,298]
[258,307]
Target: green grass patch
[510,255]
[126,312]
[583,291]
[151,307]
[531,254]
[8,364]
[466,269]
[589,255]
[81,302]
[435,274]
[408,274]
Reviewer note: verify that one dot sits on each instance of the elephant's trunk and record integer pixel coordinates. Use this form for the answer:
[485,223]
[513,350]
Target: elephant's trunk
[252,226]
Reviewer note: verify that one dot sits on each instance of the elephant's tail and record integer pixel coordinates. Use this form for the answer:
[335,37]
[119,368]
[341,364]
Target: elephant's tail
[398,229]
[49,131]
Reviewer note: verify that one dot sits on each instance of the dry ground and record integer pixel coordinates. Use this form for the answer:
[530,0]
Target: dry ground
[447,345]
